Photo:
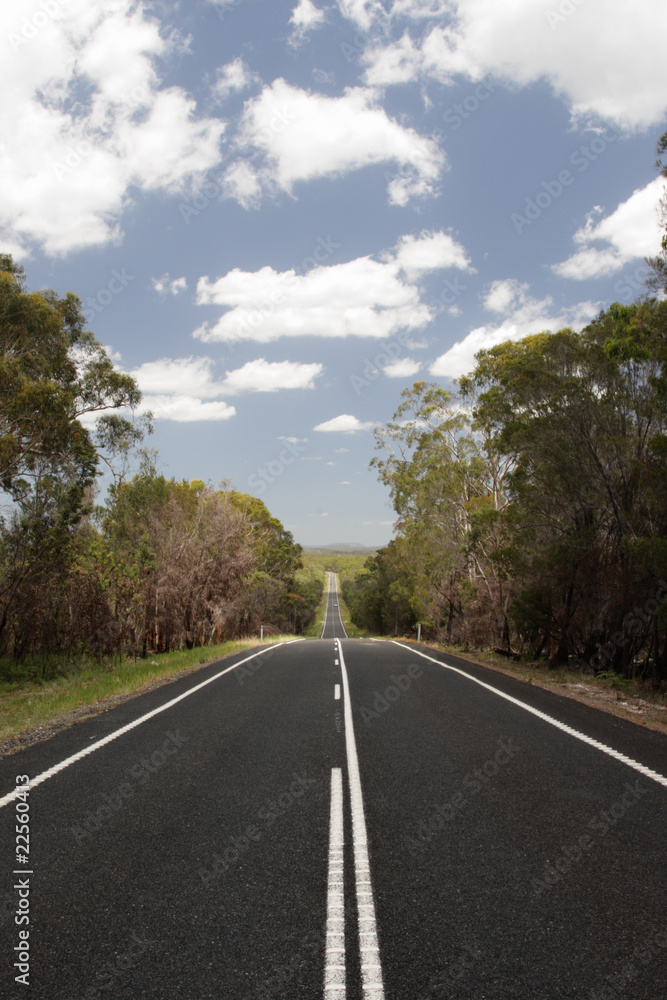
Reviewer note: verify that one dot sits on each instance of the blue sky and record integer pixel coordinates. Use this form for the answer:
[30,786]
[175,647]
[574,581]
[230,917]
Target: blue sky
[281,213]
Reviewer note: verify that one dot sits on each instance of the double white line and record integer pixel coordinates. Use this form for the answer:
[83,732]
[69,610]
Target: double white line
[371,969]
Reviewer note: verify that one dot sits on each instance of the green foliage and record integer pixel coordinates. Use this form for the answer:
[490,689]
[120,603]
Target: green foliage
[533,507]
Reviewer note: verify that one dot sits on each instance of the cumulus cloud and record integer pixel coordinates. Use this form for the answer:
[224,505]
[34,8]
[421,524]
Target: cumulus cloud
[430,251]
[186,409]
[164,285]
[403,368]
[89,123]
[344,424]
[267,376]
[305,17]
[185,389]
[608,66]
[631,231]
[232,78]
[521,315]
[288,136]
[362,297]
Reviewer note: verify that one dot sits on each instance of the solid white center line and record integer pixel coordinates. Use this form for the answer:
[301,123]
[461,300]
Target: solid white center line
[371,970]
[334,961]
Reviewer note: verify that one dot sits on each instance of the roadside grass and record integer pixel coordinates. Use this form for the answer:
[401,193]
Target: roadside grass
[314,630]
[353,631]
[27,703]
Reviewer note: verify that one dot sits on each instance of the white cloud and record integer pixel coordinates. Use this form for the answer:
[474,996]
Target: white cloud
[523,315]
[403,368]
[371,13]
[345,424]
[345,482]
[177,377]
[288,136]
[163,285]
[362,297]
[266,376]
[186,409]
[430,251]
[305,17]
[341,451]
[631,231]
[184,389]
[89,123]
[232,78]
[363,12]
[240,181]
[600,59]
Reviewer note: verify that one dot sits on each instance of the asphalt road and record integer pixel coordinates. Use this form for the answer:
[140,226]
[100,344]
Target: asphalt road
[429,833]
[333,627]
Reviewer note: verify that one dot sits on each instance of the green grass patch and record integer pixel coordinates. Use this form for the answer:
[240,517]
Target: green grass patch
[27,702]
[314,630]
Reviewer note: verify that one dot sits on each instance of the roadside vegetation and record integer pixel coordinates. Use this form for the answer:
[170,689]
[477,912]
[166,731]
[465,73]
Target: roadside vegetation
[531,500]
[159,566]
[90,686]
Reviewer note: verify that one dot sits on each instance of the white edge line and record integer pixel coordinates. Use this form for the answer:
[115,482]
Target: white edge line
[334,966]
[646,771]
[6,799]
[371,970]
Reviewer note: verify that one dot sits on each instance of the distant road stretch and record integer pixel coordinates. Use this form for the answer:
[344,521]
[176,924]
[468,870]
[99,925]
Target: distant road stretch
[333,627]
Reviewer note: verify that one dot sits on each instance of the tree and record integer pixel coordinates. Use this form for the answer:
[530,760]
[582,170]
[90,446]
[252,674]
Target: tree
[52,373]
[583,417]
[447,484]
[657,281]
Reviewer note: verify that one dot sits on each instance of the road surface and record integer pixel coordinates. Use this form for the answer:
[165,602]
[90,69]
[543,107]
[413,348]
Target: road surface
[340,818]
